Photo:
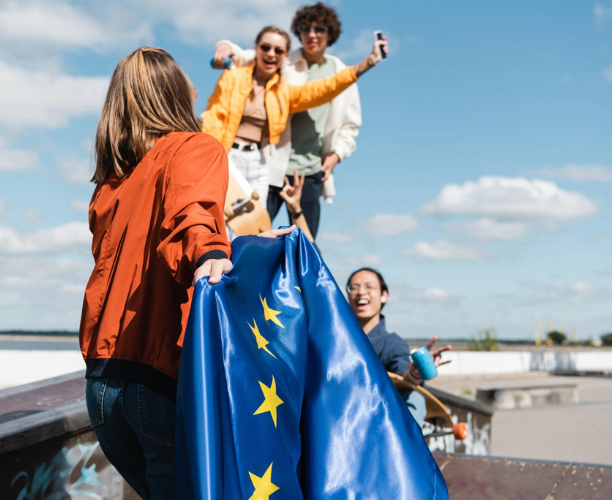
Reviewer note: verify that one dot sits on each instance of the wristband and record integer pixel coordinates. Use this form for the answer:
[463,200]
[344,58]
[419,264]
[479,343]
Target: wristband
[213,254]
[295,215]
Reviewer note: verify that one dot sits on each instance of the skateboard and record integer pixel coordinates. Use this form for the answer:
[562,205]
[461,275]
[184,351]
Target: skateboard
[437,414]
[244,211]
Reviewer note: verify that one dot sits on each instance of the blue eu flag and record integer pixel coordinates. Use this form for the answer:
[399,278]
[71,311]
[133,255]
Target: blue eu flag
[280,394]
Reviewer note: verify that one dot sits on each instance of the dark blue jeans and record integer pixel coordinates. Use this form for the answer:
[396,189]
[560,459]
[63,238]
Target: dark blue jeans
[416,405]
[135,427]
[311,207]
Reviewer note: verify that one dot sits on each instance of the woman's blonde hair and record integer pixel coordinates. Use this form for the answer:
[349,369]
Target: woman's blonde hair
[148,96]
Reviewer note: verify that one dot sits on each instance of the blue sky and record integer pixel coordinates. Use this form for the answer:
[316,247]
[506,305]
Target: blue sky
[480,186]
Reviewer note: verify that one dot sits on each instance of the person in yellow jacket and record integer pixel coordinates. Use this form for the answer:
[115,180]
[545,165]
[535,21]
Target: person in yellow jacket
[250,106]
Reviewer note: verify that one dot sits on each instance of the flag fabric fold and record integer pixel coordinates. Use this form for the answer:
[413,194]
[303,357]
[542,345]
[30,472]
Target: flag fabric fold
[280,394]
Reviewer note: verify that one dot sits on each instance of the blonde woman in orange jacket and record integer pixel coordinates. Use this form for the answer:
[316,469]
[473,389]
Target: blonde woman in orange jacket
[157,222]
[251,105]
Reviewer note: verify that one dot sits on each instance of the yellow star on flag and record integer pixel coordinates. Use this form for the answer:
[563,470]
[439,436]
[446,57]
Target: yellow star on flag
[261,341]
[271,400]
[264,486]
[270,314]
[298,289]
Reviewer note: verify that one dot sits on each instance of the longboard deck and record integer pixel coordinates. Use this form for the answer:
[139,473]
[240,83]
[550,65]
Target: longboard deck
[254,218]
[435,408]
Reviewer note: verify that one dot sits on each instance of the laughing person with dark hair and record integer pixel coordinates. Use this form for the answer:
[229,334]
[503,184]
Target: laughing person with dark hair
[314,140]
[368,294]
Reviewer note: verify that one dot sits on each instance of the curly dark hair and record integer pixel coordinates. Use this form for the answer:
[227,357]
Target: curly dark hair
[319,14]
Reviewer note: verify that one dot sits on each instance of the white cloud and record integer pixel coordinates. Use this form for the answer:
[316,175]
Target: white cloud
[580,291]
[433,294]
[60,25]
[584,173]
[367,260]
[33,216]
[42,292]
[602,12]
[371,260]
[66,237]
[388,224]
[581,287]
[36,30]
[79,206]
[517,198]
[352,50]
[443,250]
[45,98]
[35,35]
[204,21]
[358,48]
[490,229]
[341,238]
[49,23]
[559,292]
[13,160]
[75,170]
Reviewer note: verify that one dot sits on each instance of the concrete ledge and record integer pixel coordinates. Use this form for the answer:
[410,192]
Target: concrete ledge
[33,429]
[584,373]
[502,362]
[467,404]
[36,412]
[497,477]
[509,398]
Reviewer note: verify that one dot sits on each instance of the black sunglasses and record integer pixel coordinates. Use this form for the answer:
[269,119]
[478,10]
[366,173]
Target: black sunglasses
[305,30]
[266,48]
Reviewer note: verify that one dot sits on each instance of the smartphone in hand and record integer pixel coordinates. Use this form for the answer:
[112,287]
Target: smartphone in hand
[379,36]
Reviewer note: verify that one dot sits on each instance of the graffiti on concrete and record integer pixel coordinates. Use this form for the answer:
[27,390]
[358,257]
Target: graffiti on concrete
[66,475]
[477,442]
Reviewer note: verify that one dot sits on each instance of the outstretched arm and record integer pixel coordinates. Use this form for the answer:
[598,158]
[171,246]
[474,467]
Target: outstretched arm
[373,58]
[317,92]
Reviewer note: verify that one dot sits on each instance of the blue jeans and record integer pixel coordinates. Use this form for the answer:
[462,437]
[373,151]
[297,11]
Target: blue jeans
[311,207]
[135,427]
[416,404]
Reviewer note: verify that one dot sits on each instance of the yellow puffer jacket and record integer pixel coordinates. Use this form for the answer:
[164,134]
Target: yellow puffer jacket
[226,104]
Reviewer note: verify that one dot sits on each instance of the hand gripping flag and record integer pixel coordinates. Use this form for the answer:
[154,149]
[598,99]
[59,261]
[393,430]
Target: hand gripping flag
[281,396]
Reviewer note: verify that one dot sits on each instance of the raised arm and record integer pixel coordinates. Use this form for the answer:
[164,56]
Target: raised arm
[317,92]
[242,57]
[293,196]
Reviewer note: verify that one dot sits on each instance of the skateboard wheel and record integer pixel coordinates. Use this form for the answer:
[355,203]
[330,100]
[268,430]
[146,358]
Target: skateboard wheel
[460,431]
[255,195]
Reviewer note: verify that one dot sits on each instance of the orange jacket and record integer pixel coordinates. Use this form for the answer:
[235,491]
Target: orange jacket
[150,229]
[226,104]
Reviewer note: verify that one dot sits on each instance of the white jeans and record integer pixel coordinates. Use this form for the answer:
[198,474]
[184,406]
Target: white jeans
[252,165]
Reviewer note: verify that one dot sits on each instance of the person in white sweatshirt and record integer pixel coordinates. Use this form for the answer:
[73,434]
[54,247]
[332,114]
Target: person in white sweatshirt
[314,140]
